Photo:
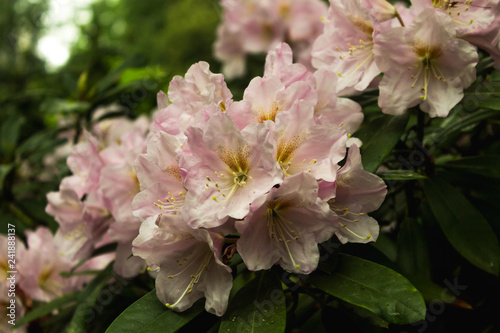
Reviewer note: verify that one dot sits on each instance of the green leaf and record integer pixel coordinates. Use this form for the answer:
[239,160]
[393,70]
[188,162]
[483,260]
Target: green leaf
[55,106]
[400,175]
[47,308]
[488,165]
[9,134]
[258,307]
[413,254]
[373,287]
[87,300]
[454,128]
[464,227]
[379,138]
[4,171]
[148,314]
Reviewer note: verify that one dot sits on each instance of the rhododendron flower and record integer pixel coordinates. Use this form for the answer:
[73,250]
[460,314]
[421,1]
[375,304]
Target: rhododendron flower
[4,264]
[284,83]
[188,261]
[301,145]
[225,170]
[100,194]
[160,178]
[255,26]
[466,15]
[285,227]
[424,64]
[346,45]
[488,39]
[265,97]
[41,263]
[357,192]
[380,10]
[194,98]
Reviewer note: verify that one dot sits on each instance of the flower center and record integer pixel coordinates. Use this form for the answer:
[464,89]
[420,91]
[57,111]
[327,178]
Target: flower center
[268,114]
[427,65]
[345,215]
[236,175]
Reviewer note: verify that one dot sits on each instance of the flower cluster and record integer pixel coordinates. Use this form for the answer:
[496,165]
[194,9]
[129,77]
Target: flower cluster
[254,26]
[39,268]
[427,52]
[260,176]
[93,205]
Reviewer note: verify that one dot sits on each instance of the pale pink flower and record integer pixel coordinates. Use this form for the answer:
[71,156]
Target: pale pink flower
[346,45]
[160,178]
[189,263]
[301,145]
[7,259]
[40,266]
[285,227]
[225,170]
[194,98]
[424,64]
[380,10]
[466,15]
[255,26]
[488,38]
[265,97]
[85,163]
[356,192]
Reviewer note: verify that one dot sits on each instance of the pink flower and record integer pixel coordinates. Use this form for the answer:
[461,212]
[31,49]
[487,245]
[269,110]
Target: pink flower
[488,38]
[301,145]
[225,170]
[381,10]
[188,261]
[346,45]
[6,261]
[257,26]
[466,15]
[424,64]
[194,98]
[285,227]
[357,192]
[40,266]
[160,178]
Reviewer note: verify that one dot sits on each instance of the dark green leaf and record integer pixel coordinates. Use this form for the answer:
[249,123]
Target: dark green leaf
[488,166]
[400,175]
[9,134]
[379,138]
[257,307]
[45,309]
[449,132]
[4,171]
[87,299]
[148,314]
[373,287]
[465,228]
[413,255]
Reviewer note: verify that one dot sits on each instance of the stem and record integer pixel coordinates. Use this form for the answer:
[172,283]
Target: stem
[400,19]
[420,126]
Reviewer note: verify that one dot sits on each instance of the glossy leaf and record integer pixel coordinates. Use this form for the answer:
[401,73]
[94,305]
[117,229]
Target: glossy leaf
[465,228]
[47,308]
[148,314]
[400,175]
[258,307]
[413,254]
[379,138]
[85,310]
[488,166]
[376,288]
